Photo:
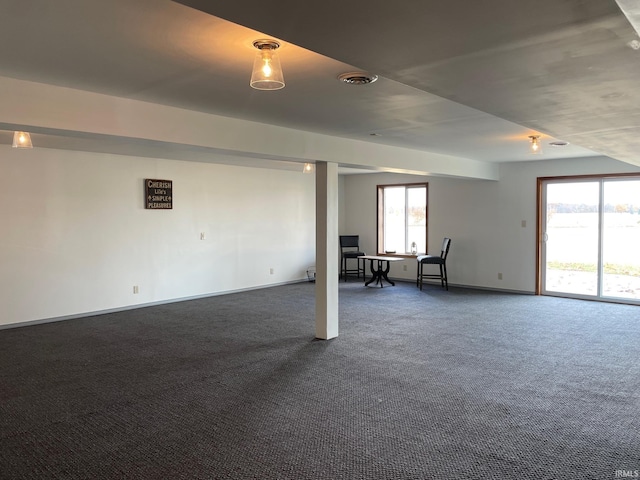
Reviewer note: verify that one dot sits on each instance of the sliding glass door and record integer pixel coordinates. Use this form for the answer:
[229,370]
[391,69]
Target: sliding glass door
[590,238]
[621,239]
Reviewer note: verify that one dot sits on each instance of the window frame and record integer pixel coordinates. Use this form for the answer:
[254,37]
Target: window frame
[380,217]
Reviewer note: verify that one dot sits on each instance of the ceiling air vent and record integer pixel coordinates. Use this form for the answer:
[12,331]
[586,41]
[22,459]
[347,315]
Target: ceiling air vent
[357,78]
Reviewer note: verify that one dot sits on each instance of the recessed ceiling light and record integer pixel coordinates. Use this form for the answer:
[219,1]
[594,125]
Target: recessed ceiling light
[357,78]
[559,143]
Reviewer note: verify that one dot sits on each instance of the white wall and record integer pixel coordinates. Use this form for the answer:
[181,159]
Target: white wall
[75,237]
[483,218]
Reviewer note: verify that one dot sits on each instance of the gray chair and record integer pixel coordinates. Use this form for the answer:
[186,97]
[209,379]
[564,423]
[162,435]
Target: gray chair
[440,260]
[349,250]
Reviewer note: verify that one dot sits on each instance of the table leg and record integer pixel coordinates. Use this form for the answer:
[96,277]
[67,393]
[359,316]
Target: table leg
[374,274]
[384,274]
[380,274]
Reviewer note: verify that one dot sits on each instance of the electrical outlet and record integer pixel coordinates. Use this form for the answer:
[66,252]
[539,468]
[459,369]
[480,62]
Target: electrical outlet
[404,267]
[271,271]
[136,289]
[201,235]
[524,224]
[499,276]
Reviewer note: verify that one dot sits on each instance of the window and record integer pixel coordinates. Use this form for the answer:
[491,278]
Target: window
[402,218]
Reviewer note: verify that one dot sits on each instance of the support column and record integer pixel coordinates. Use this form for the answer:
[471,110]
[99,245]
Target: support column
[326,250]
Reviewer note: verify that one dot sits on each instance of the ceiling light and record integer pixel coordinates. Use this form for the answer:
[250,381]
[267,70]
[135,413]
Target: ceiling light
[267,72]
[22,140]
[357,78]
[308,168]
[535,148]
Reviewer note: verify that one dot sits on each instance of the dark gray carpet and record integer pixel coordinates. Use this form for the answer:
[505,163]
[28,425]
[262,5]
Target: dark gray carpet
[420,385]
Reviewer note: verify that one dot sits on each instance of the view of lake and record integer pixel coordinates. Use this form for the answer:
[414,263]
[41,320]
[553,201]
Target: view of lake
[572,254]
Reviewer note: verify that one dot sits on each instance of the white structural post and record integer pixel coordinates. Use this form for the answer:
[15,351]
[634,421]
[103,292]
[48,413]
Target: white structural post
[326,250]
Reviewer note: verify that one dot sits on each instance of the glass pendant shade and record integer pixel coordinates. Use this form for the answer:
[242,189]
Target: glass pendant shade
[22,140]
[535,148]
[267,72]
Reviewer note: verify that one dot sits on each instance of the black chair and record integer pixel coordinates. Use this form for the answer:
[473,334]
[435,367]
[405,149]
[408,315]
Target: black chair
[350,249]
[435,260]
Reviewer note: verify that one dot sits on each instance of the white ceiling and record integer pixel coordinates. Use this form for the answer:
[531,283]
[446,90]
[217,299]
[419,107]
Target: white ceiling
[457,77]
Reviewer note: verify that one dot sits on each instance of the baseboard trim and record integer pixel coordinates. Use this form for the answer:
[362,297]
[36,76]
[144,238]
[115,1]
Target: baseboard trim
[63,318]
[471,287]
[30,323]
[494,289]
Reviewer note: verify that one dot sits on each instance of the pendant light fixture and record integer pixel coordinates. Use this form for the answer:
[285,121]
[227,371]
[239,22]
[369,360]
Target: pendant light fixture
[22,140]
[308,168]
[267,72]
[535,148]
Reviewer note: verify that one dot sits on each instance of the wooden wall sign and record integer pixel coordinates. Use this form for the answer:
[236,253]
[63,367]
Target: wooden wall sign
[158,194]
